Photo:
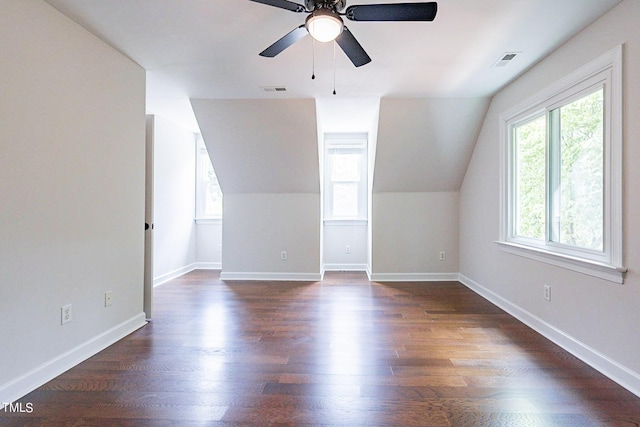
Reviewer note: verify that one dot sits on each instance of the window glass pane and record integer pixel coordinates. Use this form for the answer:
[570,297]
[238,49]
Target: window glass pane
[206,168]
[209,193]
[529,149]
[345,199]
[213,199]
[578,208]
[345,167]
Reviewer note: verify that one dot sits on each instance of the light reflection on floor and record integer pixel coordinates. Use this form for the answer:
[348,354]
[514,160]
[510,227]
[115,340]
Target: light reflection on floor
[344,336]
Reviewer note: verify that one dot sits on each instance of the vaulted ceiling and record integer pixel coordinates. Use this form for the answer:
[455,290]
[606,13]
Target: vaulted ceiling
[209,48]
[435,79]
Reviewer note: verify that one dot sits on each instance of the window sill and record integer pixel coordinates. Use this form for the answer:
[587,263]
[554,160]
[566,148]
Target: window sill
[349,222]
[208,221]
[592,268]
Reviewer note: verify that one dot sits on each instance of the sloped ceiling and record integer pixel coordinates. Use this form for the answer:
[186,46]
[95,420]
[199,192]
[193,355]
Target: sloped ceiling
[261,146]
[425,144]
[207,50]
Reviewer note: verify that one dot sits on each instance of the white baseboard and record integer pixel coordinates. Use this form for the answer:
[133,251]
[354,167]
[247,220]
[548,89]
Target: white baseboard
[164,278]
[19,387]
[413,277]
[207,266]
[345,267]
[295,277]
[615,371]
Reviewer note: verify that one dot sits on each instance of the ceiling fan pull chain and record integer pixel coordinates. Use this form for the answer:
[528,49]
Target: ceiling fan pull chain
[313,60]
[334,67]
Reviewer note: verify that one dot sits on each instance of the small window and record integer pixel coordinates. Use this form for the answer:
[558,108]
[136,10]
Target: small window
[562,173]
[345,173]
[209,194]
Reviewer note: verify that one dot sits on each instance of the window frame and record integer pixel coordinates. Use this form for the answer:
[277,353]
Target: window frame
[349,142]
[605,72]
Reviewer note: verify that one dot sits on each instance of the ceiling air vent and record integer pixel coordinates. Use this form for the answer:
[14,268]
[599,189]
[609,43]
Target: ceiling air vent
[273,89]
[505,59]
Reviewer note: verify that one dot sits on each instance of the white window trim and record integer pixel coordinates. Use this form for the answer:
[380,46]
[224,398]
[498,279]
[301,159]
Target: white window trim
[208,221]
[345,222]
[609,267]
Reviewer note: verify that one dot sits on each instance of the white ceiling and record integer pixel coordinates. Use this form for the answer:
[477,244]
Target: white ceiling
[209,48]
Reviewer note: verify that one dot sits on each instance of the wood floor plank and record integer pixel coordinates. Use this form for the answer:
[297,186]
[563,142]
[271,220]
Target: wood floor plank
[344,351]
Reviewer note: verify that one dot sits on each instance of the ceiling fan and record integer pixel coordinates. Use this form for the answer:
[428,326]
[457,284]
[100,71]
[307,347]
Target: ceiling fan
[325,24]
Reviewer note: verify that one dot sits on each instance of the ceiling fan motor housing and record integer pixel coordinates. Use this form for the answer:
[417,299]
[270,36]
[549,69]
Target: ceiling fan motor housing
[335,5]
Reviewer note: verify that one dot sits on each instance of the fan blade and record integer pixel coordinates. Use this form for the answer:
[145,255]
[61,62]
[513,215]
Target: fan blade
[283,4]
[393,12]
[285,42]
[352,48]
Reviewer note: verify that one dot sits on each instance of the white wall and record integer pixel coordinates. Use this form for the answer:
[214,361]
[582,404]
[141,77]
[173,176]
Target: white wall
[596,319]
[409,232]
[174,199]
[209,245]
[423,149]
[258,227]
[337,236]
[72,156]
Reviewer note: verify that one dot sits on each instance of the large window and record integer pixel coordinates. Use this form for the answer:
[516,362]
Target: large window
[562,172]
[345,177]
[209,194]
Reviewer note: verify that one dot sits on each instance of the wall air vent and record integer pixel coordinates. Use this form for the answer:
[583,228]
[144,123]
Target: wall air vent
[505,59]
[273,89]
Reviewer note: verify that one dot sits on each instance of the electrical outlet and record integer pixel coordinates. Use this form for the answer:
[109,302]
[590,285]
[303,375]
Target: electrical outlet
[66,315]
[347,249]
[547,292]
[443,255]
[283,255]
[107,298]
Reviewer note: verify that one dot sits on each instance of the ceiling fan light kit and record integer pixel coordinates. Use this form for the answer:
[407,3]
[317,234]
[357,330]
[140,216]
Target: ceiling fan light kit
[324,25]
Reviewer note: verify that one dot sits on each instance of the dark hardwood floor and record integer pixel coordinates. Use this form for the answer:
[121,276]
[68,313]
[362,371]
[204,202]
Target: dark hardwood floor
[344,351]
